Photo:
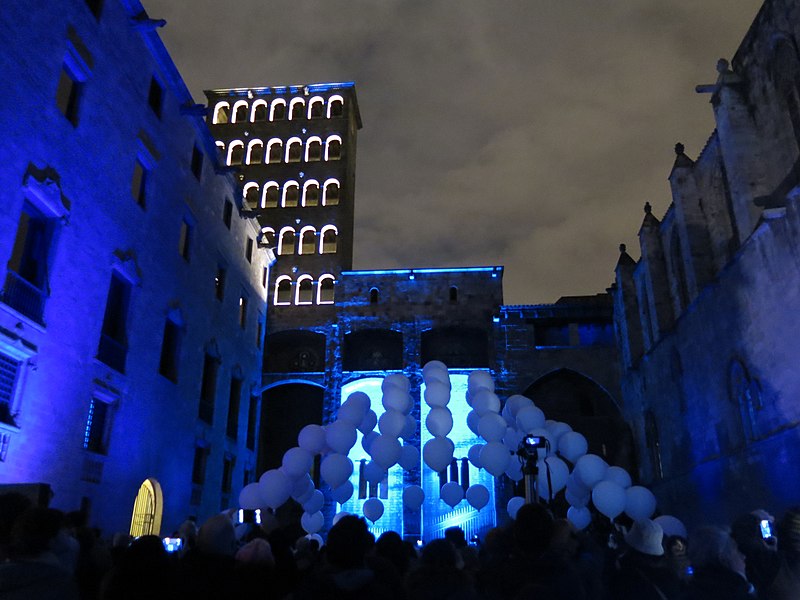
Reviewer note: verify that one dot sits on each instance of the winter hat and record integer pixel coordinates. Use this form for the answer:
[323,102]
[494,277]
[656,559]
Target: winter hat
[645,536]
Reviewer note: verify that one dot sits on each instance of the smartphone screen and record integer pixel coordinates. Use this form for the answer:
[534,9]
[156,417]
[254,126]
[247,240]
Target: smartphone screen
[766,529]
[172,544]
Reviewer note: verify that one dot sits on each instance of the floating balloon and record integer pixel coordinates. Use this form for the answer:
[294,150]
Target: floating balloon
[409,429]
[530,418]
[274,487]
[312,438]
[439,421]
[343,493]
[575,485]
[413,497]
[391,423]
[373,509]
[340,436]
[513,438]
[590,469]
[437,393]
[336,469]
[574,500]
[373,472]
[438,452]
[671,526]
[619,476]
[409,457]
[557,429]
[250,497]
[572,446]
[368,423]
[397,380]
[477,495]
[367,439]
[608,498]
[396,399]
[433,366]
[580,517]
[640,503]
[314,504]
[474,455]
[514,505]
[297,462]
[479,380]
[351,412]
[494,457]
[514,469]
[302,486]
[473,420]
[492,427]
[514,404]
[361,400]
[452,493]
[484,401]
[312,523]
[385,451]
[317,538]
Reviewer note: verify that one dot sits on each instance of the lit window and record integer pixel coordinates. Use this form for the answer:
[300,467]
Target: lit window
[235,152]
[331,194]
[208,388]
[277,112]
[95,438]
[313,149]
[220,146]
[305,290]
[291,194]
[185,239]
[316,108]
[250,193]
[283,290]
[113,347]
[222,113]
[286,241]
[308,240]
[311,193]
[270,195]
[325,289]
[335,107]
[274,151]
[219,282]
[170,350]
[9,378]
[242,310]
[294,150]
[297,108]
[197,162]
[255,152]
[258,112]
[268,237]
[155,97]
[333,148]
[239,112]
[327,243]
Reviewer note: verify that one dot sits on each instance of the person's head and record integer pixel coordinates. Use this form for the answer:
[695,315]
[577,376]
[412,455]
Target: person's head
[714,547]
[256,552]
[391,547]
[455,535]
[746,531]
[533,528]
[789,536]
[646,537]
[33,531]
[565,540]
[441,555]
[348,542]
[217,536]
[12,505]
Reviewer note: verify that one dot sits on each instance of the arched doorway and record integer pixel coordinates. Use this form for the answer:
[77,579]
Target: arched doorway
[147,509]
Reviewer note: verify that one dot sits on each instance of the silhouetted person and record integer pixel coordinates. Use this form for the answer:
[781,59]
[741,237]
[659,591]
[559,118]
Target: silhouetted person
[719,567]
[786,585]
[761,554]
[440,575]
[643,571]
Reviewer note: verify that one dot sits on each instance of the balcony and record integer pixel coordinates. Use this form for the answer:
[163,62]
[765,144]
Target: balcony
[112,353]
[24,297]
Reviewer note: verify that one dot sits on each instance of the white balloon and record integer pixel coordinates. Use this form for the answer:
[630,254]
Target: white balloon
[574,500]
[351,412]
[367,439]
[433,366]
[250,497]
[274,487]
[397,380]
[495,457]
[396,399]
[339,516]
[413,497]
[385,451]
[590,469]
[373,509]
[557,429]
[302,486]
[513,438]
[484,401]
[336,469]
[314,504]
[572,446]
[340,436]
[514,505]
[558,474]
[608,498]
[478,496]
[409,429]
[312,438]
[373,472]
[436,394]
[312,523]
[479,380]
[361,400]
[391,423]
[343,493]
[438,452]
[515,403]
[492,427]
[409,457]
[575,485]
[452,493]
[671,526]
[580,517]
[474,455]
[514,469]
[297,462]
[439,421]
[473,419]
[640,503]
[368,423]
[619,476]
[530,418]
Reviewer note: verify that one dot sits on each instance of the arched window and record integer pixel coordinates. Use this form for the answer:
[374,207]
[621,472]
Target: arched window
[240,112]
[235,152]
[327,242]
[786,77]
[277,111]
[269,197]
[250,195]
[311,193]
[222,113]
[335,107]
[308,240]
[286,241]
[283,290]
[274,151]
[148,509]
[267,237]
[291,194]
[653,444]
[373,296]
[297,109]
[304,290]
[333,148]
[325,289]
[453,294]
[255,152]
[330,196]
[316,108]
[294,150]
[258,112]
[220,146]
[313,149]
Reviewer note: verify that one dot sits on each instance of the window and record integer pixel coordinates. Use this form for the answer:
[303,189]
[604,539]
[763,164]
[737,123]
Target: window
[155,97]
[68,94]
[9,377]
[310,193]
[274,151]
[335,107]
[294,150]
[248,250]
[255,152]
[325,290]
[250,193]
[283,290]
[286,241]
[270,195]
[222,112]
[219,283]
[308,240]
[267,238]
[305,290]
[208,388]
[264,275]
[297,109]
[327,244]
[252,414]
[277,111]
[331,195]
[235,152]
[170,350]
[113,347]
[258,112]
[333,148]
[453,294]
[185,240]
[243,310]
[232,425]
[95,438]
[228,463]
[197,162]
[373,296]
[260,331]
[199,464]
[291,194]
[240,112]
[313,149]
[316,108]
[227,213]
[139,183]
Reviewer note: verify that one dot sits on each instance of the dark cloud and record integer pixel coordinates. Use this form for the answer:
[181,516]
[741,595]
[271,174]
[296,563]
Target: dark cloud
[527,134]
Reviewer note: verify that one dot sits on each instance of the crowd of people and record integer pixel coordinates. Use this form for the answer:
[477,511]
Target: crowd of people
[46,554]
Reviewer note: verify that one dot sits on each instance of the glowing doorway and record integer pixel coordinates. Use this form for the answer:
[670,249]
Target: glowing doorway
[147,509]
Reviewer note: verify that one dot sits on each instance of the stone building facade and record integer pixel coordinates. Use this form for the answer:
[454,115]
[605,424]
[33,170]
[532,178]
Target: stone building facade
[132,309]
[707,318]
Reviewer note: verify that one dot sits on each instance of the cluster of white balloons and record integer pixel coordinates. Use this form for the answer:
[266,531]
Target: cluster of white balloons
[438,452]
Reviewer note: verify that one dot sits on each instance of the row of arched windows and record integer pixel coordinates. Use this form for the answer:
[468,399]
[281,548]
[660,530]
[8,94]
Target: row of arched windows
[278,152]
[301,291]
[305,241]
[271,195]
[278,110]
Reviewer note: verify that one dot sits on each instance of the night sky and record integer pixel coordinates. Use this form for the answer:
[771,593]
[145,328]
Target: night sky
[526,134]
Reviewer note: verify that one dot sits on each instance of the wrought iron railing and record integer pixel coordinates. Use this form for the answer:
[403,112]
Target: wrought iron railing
[24,297]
